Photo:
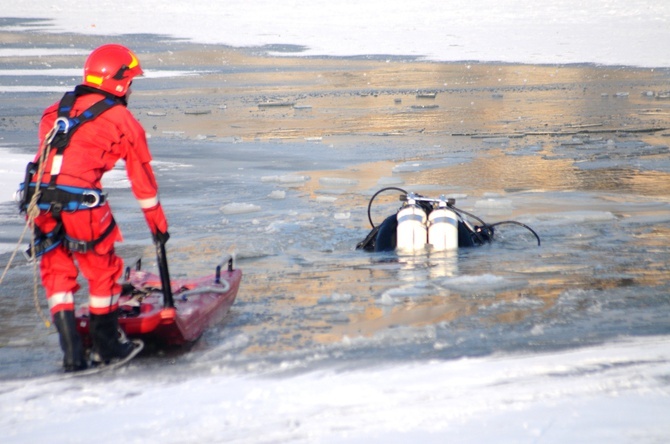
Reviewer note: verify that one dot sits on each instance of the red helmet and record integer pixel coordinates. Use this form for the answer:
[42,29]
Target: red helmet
[111,68]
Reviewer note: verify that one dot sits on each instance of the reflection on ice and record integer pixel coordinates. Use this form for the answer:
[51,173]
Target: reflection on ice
[414,166]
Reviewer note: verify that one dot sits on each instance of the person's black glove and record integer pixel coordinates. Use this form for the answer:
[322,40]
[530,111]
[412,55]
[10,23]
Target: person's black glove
[161,237]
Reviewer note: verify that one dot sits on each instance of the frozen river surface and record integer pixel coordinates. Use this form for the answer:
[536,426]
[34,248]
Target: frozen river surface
[566,342]
[512,327]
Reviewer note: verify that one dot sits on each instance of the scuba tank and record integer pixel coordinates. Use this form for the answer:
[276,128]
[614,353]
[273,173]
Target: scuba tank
[423,220]
[412,234]
[443,228]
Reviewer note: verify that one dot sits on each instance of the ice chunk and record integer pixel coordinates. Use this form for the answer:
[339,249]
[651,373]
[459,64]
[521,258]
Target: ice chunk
[285,179]
[573,217]
[397,295]
[494,204]
[480,283]
[385,181]
[337,181]
[495,140]
[335,298]
[239,208]
[277,194]
[177,134]
[408,167]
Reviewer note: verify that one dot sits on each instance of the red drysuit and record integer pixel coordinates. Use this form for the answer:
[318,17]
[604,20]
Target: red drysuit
[93,150]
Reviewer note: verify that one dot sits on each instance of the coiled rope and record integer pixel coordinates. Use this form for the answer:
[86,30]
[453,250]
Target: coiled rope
[32,212]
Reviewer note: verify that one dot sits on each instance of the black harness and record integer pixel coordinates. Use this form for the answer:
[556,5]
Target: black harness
[58,198]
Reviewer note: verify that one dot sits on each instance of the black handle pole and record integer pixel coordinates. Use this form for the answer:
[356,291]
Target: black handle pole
[217,277]
[168,300]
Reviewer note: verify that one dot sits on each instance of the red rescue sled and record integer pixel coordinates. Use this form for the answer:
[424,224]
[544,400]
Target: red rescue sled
[174,317]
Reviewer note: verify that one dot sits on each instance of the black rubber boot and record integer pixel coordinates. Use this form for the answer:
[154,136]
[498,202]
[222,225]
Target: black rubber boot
[109,342]
[70,341]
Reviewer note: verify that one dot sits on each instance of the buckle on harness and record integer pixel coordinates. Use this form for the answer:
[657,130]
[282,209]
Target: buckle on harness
[56,208]
[91,203]
[29,255]
[76,246]
[81,246]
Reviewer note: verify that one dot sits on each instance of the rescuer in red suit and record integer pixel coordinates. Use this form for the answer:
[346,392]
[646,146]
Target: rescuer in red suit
[83,233]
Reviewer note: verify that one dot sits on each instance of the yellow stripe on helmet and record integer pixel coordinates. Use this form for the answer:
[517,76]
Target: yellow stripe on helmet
[96,80]
[133,62]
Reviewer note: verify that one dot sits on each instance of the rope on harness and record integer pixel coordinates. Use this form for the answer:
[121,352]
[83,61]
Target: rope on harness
[32,212]
[58,137]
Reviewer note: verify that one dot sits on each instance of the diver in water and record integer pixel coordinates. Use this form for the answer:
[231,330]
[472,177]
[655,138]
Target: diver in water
[423,221]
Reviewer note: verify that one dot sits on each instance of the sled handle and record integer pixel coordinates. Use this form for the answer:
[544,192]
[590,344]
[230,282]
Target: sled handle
[217,278]
[168,299]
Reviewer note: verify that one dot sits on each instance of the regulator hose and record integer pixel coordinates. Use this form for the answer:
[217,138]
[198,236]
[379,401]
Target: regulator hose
[377,194]
[513,222]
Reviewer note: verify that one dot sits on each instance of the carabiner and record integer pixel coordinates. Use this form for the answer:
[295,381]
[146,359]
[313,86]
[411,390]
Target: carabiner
[61,125]
[96,199]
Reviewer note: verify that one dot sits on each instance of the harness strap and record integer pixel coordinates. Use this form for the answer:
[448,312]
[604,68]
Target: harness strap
[58,198]
[67,126]
[67,198]
[45,242]
[79,246]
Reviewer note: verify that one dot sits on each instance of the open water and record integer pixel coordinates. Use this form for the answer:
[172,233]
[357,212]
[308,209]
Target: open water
[600,207]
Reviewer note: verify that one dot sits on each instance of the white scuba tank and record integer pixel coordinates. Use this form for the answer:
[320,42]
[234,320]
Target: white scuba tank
[443,228]
[412,233]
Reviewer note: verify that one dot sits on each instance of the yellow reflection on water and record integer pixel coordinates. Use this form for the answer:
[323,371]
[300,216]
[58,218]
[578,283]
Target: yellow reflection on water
[383,97]
[498,172]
